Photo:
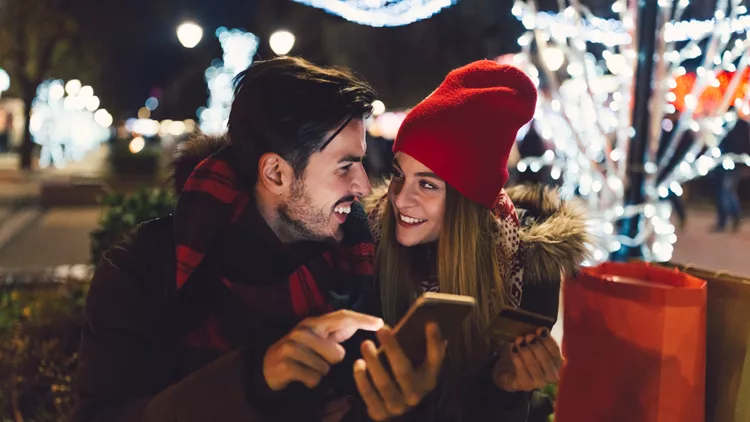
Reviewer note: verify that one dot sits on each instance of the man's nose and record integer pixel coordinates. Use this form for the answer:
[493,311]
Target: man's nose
[361,183]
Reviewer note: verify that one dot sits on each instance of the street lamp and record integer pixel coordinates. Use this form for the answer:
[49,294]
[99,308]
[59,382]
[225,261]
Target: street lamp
[189,34]
[4,81]
[281,42]
[378,108]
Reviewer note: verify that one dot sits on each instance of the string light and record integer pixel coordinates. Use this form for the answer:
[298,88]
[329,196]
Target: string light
[612,32]
[66,122]
[239,48]
[586,113]
[380,13]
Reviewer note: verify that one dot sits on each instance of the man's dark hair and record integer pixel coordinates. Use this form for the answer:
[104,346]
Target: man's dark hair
[290,106]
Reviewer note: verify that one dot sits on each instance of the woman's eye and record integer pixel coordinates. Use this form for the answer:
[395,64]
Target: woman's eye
[427,185]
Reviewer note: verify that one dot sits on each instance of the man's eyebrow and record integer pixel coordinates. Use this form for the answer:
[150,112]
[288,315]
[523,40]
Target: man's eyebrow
[351,159]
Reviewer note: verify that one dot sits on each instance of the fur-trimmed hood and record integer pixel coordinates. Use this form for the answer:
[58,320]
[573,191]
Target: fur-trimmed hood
[190,153]
[553,232]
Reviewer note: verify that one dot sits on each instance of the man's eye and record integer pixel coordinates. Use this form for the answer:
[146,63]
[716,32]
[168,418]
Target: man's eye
[346,168]
[397,173]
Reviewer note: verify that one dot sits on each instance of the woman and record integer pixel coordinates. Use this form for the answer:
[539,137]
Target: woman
[446,225]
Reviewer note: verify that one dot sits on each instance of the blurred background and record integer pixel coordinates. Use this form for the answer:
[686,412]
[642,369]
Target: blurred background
[115,86]
[97,95]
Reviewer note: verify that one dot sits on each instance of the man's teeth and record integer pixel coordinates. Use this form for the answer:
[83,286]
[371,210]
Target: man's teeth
[343,209]
[410,220]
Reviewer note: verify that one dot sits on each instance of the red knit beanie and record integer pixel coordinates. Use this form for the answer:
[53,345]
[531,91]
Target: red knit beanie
[464,130]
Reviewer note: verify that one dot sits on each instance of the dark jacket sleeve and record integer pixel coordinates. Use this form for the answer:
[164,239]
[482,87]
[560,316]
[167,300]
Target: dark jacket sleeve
[489,403]
[542,297]
[128,368]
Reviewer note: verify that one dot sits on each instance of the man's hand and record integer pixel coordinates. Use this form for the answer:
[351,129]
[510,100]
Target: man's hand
[530,363]
[308,351]
[385,397]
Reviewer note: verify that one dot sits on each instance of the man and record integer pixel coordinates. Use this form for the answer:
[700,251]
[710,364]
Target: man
[728,207]
[244,304]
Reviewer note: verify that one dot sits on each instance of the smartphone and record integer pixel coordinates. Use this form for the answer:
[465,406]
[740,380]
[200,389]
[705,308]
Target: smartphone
[512,323]
[446,310]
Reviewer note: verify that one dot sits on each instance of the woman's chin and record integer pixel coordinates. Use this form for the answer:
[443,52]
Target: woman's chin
[407,240]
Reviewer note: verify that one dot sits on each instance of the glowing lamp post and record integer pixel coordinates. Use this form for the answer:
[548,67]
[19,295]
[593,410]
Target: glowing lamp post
[189,34]
[4,81]
[378,108]
[281,42]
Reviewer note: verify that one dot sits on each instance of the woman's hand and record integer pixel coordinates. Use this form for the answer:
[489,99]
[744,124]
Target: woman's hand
[529,363]
[386,396]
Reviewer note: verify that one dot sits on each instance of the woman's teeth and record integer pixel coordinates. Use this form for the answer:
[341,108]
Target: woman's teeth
[410,220]
[343,209]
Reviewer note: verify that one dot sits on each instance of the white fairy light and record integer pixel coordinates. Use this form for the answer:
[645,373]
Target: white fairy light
[612,32]
[381,12]
[239,48]
[67,127]
[586,113]
[555,173]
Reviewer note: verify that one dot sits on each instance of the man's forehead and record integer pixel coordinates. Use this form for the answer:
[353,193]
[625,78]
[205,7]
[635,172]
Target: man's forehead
[350,141]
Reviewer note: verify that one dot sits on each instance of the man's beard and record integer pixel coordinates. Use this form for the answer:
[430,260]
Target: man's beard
[300,221]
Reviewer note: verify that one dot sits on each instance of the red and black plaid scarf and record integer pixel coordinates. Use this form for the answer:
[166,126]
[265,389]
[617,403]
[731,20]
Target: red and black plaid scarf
[227,254]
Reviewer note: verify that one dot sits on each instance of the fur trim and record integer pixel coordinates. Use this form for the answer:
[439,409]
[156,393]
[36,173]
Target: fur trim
[190,153]
[379,190]
[553,233]
[374,205]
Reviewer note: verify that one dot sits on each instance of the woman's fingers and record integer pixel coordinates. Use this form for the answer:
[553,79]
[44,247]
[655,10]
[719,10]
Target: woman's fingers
[523,379]
[533,367]
[375,406]
[545,361]
[552,347]
[401,367]
[384,384]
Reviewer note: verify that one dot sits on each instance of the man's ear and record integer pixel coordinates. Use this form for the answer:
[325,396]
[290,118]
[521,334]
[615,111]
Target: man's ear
[275,173]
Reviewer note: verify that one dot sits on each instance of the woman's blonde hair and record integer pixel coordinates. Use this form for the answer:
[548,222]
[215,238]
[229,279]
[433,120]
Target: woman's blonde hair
[469,262]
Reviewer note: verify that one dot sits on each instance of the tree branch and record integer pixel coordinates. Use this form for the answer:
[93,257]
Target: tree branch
[59,34]
[19,49]
[45,59]
[13,24]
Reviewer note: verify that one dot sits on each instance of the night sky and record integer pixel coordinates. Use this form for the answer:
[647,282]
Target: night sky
[404,64]
[143,54]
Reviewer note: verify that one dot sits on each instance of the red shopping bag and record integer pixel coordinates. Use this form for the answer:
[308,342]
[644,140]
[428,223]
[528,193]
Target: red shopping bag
[635,346]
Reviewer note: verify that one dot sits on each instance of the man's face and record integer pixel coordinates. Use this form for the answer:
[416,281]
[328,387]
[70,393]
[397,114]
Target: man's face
[320,200]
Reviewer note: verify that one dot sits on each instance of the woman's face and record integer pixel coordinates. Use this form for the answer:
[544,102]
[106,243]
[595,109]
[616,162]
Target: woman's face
[417,196]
